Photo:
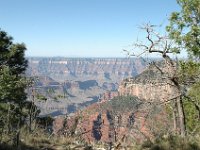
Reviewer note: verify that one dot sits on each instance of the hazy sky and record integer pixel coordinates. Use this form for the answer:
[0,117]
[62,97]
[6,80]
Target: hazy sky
[83,28]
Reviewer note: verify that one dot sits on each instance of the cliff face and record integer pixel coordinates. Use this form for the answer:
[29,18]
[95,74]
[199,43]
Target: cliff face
[129,118]
[150,85]
[61,69]
[120,120]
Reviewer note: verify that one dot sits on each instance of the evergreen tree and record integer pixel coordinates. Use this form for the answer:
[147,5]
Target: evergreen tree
[12,67]
[12,83]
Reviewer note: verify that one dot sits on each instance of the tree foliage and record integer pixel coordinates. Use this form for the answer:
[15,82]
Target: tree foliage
[184,27]
[12,67]
[12,85]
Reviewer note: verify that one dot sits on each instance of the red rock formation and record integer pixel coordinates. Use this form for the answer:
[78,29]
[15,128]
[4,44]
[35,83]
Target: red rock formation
[100,124]
[148,91]
[108,95]
[95,125]
[150,85]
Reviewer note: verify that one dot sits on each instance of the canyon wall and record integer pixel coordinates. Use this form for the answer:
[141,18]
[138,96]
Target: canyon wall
[128,114]
[64,85]
[150,85]
[102,69]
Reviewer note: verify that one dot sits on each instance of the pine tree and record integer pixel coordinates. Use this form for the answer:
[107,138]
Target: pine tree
[12,84]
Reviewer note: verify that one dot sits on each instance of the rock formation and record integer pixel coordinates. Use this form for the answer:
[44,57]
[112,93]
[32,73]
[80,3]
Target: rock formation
[132,116]
[69,84]
[150,85]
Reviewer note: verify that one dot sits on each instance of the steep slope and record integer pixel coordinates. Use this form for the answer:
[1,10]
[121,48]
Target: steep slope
[125,118]
[122,120]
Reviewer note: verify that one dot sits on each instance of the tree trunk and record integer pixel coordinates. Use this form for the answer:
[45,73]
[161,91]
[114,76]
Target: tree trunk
[180,121]
[30,122]
[175,116]
[181,116]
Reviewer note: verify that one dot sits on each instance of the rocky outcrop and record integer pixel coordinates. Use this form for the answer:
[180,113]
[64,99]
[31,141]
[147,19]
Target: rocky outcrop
[150,85]
[108,95]
[111,122]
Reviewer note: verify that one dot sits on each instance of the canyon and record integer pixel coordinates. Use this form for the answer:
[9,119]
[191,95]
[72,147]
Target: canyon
[65,85]
[102,99]
[136,112]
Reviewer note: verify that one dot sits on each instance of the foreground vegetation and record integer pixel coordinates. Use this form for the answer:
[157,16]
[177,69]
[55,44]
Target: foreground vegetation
[40,139]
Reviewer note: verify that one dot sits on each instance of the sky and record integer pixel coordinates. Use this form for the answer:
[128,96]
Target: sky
[80,28]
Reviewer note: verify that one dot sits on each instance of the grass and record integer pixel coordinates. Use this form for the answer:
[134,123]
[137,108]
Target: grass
[38,140]
[173,143]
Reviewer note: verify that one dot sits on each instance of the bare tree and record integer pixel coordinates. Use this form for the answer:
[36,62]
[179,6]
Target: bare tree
[156,43]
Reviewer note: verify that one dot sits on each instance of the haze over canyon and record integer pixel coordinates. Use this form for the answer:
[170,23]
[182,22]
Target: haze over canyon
[63,85]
